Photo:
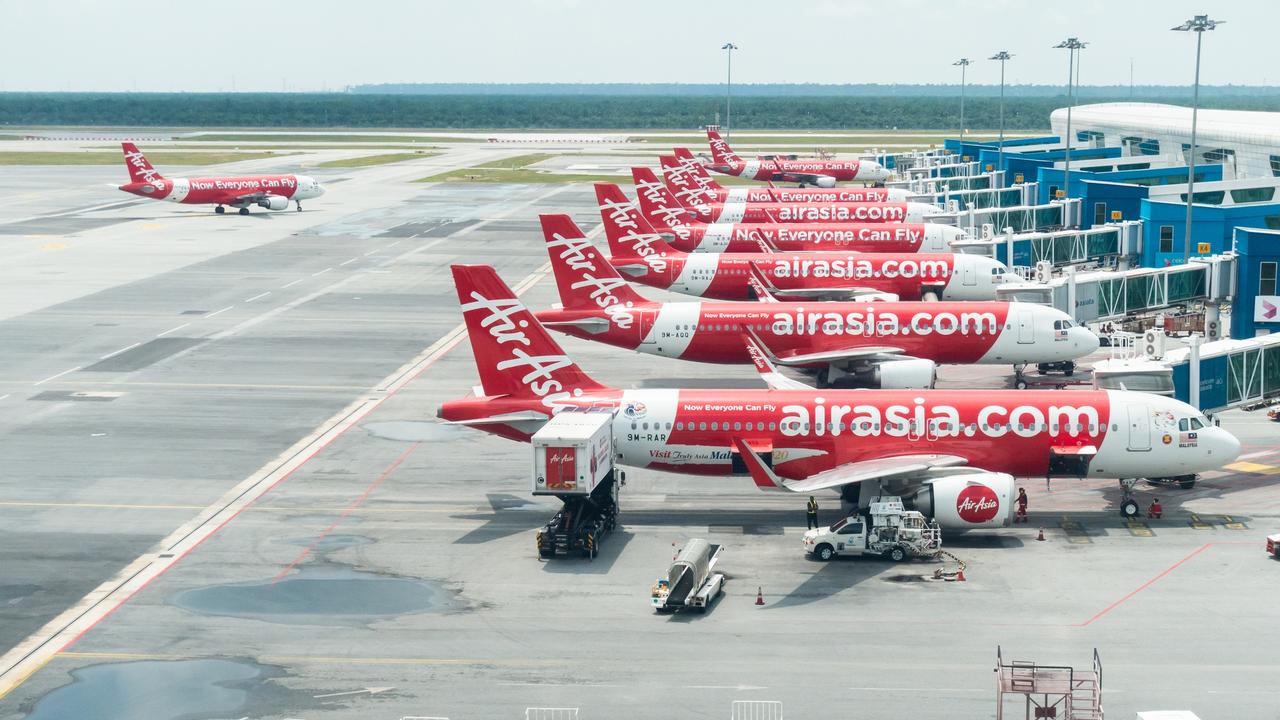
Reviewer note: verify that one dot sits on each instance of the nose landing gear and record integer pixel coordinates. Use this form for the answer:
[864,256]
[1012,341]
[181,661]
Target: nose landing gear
[299,204]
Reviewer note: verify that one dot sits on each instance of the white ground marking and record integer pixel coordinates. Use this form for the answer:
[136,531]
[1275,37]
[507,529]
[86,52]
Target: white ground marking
[259,296]
[123,349]
[291,284]
[219,312]
[321,272]
[172,329]
[54,377]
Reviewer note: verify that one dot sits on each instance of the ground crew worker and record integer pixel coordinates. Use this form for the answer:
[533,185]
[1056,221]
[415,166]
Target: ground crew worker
[1156,510]
[811,512]
[1021,517]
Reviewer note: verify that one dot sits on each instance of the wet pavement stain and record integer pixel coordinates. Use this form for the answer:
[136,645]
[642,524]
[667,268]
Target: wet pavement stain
[322,596]
[329,543]
[161,690]
[416,431]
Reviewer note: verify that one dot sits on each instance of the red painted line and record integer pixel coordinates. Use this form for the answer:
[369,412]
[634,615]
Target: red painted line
[346,512]
[1146,584]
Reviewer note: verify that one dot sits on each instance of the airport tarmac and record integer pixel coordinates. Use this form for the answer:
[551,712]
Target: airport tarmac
[226,495]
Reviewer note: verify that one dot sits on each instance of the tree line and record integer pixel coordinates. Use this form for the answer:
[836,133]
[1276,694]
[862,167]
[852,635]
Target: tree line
[520,112]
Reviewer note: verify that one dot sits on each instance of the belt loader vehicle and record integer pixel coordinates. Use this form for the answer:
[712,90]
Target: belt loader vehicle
[692,581]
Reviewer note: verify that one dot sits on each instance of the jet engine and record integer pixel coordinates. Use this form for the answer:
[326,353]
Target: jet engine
[824,181]
[274,202]
[975,499]
[904,374]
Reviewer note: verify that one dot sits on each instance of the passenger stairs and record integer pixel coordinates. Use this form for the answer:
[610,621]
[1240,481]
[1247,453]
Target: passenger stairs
[1050,691]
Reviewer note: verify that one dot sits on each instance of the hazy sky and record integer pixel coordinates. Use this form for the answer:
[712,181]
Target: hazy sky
[327,44]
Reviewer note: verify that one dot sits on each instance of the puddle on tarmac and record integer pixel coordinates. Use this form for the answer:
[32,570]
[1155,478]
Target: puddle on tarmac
[329,543]
[157,690]
[415,431]
[907,578]
[322,596]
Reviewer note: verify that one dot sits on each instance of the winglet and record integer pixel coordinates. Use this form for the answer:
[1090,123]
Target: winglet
[761,474]
[759,284]
[761,357]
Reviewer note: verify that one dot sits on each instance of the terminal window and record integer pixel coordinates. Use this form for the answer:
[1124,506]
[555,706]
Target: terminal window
[1275,165]
[1099,213]
[1267,278]
[1255,194]
[1166,238]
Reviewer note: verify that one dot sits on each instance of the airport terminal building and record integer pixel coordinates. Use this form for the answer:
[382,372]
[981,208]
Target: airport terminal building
[1246,143]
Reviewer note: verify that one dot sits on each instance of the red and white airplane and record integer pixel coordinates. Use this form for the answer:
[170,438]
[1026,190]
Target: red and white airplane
[803,211]
[952,453]
[689,181]
[823,173]
[878,344]
[643,256]
[272,192]
[666,213]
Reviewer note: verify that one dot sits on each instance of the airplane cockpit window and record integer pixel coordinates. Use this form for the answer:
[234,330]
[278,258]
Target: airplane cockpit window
[1186,424]
[1062,325]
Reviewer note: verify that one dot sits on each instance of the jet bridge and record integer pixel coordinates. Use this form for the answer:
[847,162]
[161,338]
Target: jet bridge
[1057,215]
[954,184]
[1211,376]
[1113,294]
[979,198]
[1111,244]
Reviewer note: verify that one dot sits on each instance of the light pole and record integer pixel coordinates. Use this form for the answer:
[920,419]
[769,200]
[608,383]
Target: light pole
[1001,56]
[964,64]
[728,87]
[1072,45]
[1197,25]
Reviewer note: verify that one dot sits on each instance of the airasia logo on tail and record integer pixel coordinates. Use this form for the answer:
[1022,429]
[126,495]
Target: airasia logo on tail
[977,504]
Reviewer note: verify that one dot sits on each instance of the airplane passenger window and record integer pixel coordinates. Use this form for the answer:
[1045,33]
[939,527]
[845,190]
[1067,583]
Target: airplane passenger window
[633,426]
[716,426]
[737,426]
[679,426]
[668,426]
[772,427]
[702,426]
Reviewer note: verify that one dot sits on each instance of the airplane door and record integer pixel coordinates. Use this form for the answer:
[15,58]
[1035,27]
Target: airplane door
[1139,428]
[970,275]
[1026,328]
[648,336]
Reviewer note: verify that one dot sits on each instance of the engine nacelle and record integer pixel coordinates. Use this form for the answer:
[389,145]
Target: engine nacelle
[825,181]
[904,374]
[274,202]
[968,500]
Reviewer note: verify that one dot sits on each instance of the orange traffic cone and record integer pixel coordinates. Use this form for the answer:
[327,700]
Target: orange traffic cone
[1040,537]
[960,574]
[759,596]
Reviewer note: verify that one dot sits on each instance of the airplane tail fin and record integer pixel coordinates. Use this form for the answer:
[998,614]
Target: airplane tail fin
[699,172]
[660,207]
[514,354]
[682,183]
[140,170]
[630,235]
[721,153]
[584,277]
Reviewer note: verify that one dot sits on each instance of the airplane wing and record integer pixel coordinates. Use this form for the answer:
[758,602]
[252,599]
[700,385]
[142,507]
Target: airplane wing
[760,284]
[869,352]
[774,379]
[887,468]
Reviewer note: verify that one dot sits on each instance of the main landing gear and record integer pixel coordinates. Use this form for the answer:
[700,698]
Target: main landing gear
[220,210]
[244,211]
[1019,377]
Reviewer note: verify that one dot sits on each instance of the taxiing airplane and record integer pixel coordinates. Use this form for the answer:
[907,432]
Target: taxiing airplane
[823,173]
[692,235]
[644,256]
[952,453]
[877,344]
[804,211]
[689,181]
[272,192]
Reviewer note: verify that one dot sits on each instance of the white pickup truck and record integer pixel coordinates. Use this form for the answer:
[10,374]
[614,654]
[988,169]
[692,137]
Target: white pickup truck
[887,531]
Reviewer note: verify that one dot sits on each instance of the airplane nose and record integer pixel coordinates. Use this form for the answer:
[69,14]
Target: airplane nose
[1226,445]
[1083,339]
